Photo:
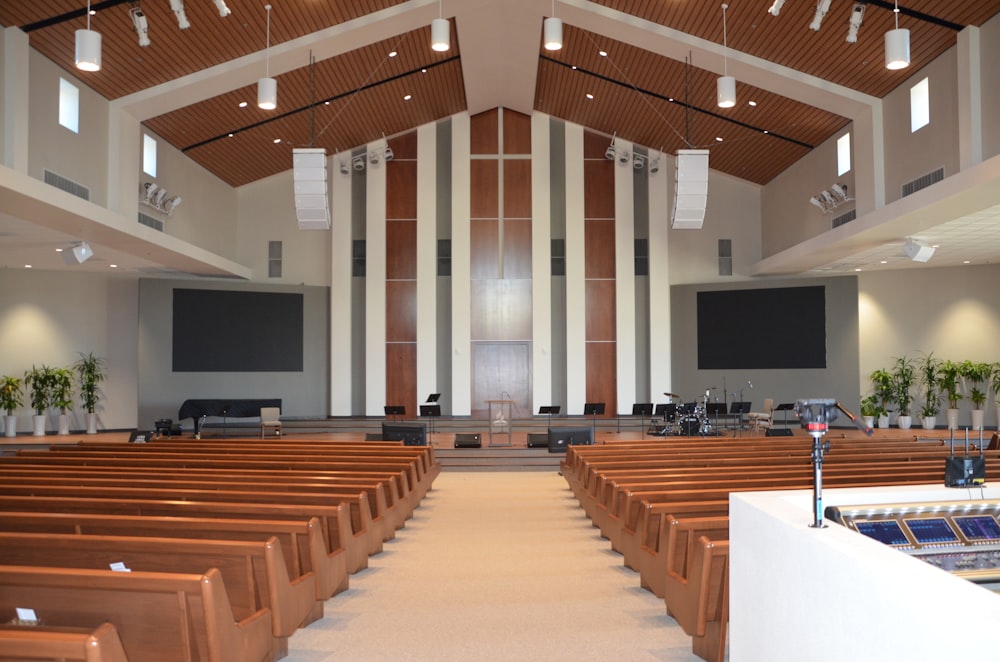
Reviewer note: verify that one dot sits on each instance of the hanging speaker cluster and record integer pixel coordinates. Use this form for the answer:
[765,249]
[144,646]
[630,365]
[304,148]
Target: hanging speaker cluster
[690,189]
[312,205]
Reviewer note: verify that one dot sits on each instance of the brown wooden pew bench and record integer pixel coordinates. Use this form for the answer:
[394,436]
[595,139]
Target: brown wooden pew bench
[254,572]
[699,601]
[302,544]
[160,617]
[40,642]
[335,520]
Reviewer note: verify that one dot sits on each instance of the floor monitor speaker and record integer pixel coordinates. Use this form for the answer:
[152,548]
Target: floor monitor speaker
[468,440]
[778,432]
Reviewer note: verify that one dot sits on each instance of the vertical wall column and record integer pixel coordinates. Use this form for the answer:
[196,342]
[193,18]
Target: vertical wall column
[341,375]
[375,299]
[427,260]
[625,318]
[576,294]
[541,268]
[14,107]
[660,192]
[461,267]
[970,97]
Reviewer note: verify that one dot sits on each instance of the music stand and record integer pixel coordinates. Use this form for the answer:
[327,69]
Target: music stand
[642,410]
[740,408]
[549,410]
[431,412]
[785,407]
[594,409]
[715,409]
[394,411]
[433,397]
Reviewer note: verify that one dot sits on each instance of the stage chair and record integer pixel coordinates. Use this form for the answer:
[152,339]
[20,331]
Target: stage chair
[762,420]
[270,421]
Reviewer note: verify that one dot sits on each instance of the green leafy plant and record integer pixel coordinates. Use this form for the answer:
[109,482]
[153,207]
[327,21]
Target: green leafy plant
[927,371]
[41,382]
[903,378]
[11,395]
[90,374]
[62,389]
[884,388]
[948,376]
[978,374]
[870,406]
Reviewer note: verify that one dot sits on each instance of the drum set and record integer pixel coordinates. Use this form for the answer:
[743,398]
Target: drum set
[687,419]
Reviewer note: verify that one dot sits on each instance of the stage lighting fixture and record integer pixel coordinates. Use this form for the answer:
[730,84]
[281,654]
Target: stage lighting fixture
[374,159]
[819,203]
[857,16]
[624,158]
[171,204]
[840,190]
[151,190]
[654,165]
[141,25]
[358,162]
[611,152]
[344,168]
[223,9]
[776,7]
[158,199]
[638,161]
[822,7]
[917,250]
[177,6]
[828,200]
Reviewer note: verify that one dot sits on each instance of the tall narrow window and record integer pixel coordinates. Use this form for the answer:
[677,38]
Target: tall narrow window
[920,105]
[149,155]
[69,105]
[843,154]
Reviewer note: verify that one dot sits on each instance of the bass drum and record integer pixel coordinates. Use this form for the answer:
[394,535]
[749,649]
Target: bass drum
[690,426]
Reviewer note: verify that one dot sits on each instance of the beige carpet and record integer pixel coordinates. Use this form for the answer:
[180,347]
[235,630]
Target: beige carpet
[495,566]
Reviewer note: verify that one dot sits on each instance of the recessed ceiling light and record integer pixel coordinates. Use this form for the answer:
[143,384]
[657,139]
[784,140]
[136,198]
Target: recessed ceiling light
[230,135]
[59,250]
[766,131]
[573,67]
[277,140]
[27,266]
[423,71]
[885,262]
[602,53]
[393,53]
[858,269]
[718,139]
[671,99]
[589,95]
[752,103]
[966,261]
[935,245]
[326,103]
[243,104]
[407,97]
[113,266]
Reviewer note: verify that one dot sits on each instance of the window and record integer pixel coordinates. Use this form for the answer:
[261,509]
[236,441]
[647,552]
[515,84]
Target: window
[920,105]
[69,105]
[843,154]
[149,155]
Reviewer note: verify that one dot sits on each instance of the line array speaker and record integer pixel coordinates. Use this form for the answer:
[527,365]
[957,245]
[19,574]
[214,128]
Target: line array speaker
[312,205]
[690,189]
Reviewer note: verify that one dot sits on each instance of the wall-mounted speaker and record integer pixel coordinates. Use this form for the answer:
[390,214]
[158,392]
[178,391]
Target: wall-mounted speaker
[312,205]
[690,189]
[917,250]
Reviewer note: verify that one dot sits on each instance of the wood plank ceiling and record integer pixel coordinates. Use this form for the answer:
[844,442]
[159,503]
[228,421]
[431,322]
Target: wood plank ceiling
[352,98]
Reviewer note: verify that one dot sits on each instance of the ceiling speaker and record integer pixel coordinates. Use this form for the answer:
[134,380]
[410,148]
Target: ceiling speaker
[690,189]
[917,251]
[78,253]
[312,206]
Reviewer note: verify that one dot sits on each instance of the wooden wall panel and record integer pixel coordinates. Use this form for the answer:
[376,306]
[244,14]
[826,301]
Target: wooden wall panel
[517,188]
[517,249]
[595,145]
[401,376]
[401,189]
[484,129]
[598,189]
[602,368]
[516,132]
[599,249]
[501,309]
[400,311]
[485,184]
[400,250]
[601,301]
[404,146]
[484,249]
[501,371]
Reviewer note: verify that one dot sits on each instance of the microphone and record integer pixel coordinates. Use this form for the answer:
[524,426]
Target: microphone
[854,419]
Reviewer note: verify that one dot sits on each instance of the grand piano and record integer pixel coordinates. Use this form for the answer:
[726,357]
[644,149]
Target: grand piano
[201,409]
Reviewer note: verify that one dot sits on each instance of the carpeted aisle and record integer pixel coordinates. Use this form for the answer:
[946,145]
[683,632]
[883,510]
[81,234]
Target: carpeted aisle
[495,566]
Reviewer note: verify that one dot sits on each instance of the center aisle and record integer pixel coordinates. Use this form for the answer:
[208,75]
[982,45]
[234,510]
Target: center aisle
[495,566]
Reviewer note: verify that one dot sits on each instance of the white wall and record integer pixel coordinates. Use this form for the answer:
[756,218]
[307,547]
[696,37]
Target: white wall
[989,40]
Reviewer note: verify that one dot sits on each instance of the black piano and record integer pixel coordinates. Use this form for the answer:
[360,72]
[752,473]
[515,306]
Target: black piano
[200,409]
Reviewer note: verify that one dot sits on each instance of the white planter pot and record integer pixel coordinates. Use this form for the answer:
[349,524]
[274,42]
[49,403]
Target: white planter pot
[38,425]
[929,422]
[883,421]
[904,422]
[977,419]
[952,415]
[869,421]
[10,426]
[63,424]
[91,423]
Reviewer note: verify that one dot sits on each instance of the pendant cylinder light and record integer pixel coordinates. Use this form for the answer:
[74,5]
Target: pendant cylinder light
[897,45]
[552,31]
[88,47]
[440,34]
[725,86]
[267,87]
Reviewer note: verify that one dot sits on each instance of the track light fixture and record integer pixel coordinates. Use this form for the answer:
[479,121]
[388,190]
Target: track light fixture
[857,16]
[654,164]
[822,7]
[828,200]
[726,85]
[267,87]
[358,162]
[776,7]
[897,45]
[140,25]
[223,9]
[88,47]
[638,161]
[440,32]
[177,6]
[552,31]
[155,196]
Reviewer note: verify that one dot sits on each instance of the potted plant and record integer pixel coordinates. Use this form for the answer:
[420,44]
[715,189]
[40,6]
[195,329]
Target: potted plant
[869,410]
[10,399]
[903,377]
[977,375]
[90,374]
[40,383]
[62,395]
[948,374]
[927,372]
[882,383]
[995,386]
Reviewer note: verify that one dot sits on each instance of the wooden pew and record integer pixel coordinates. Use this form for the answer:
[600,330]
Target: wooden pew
[301,540]
[40,642]
[699,601]
[160,617]
[254,573]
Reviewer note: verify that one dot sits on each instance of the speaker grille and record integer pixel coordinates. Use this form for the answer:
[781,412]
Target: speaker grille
[274,259]
[725,257]
[358,254]
[641,257]
[558,250]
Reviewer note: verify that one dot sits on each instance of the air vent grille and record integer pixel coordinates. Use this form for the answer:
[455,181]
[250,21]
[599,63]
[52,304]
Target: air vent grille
[150,222]
[64,184]
[909,188]
[845,218]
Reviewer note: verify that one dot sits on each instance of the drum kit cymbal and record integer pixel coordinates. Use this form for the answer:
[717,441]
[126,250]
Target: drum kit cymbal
[685,419]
